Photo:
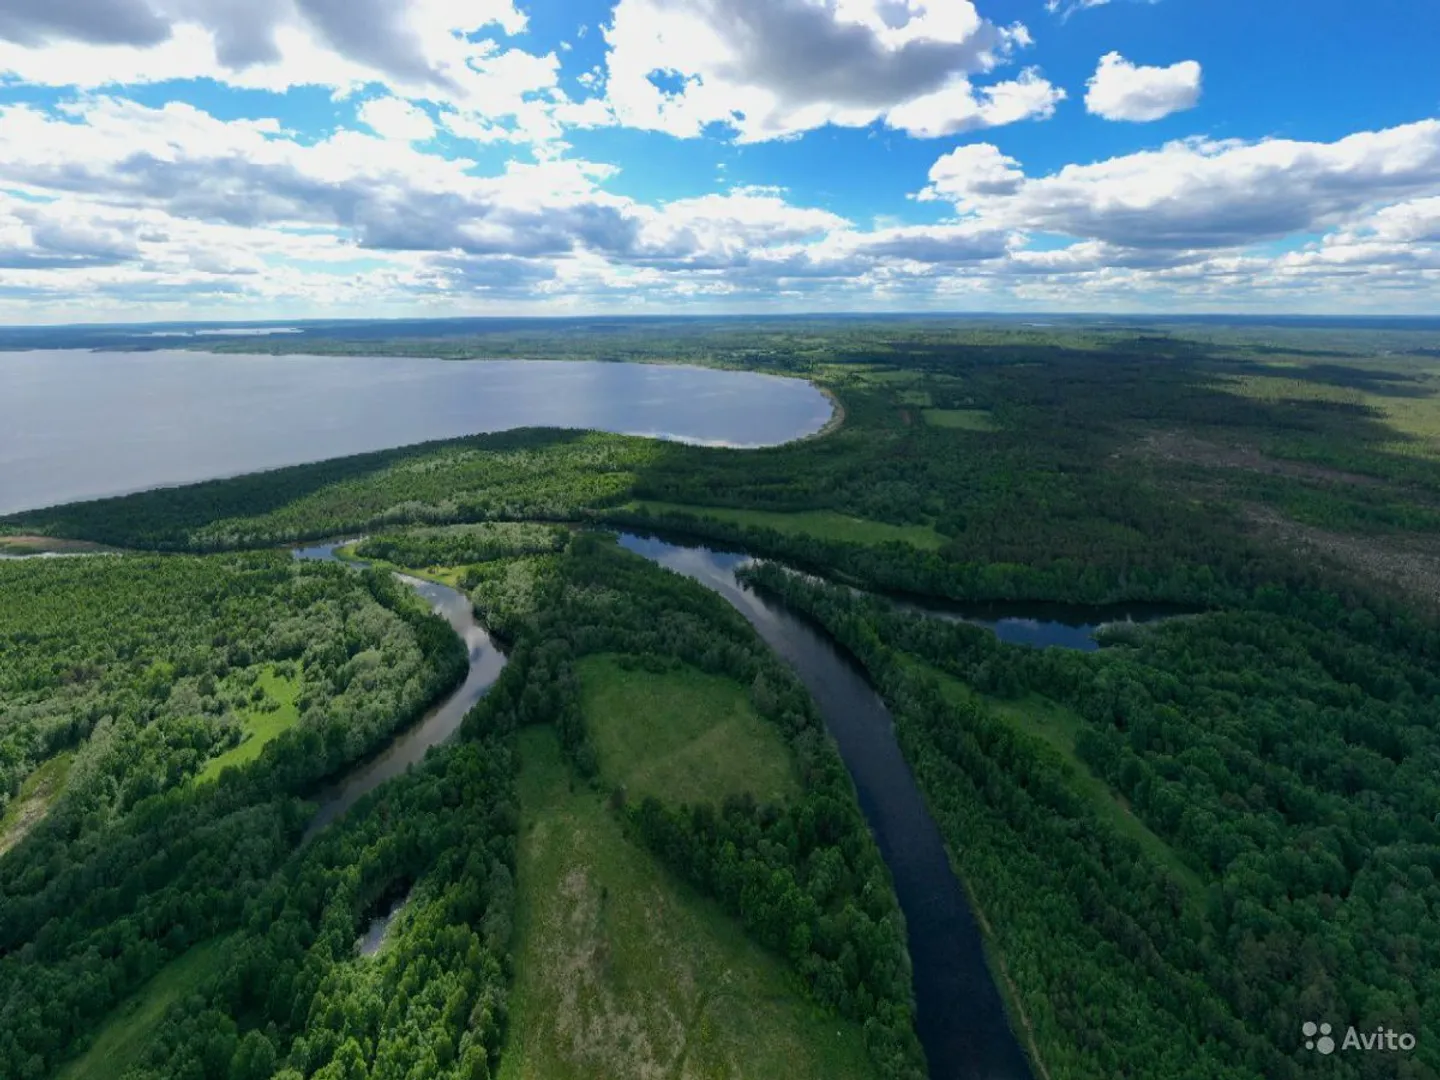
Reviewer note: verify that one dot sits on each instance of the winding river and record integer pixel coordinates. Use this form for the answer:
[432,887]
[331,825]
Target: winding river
[960,1017]
[436,726]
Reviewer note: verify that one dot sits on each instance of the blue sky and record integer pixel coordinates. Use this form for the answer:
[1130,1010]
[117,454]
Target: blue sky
[292,158]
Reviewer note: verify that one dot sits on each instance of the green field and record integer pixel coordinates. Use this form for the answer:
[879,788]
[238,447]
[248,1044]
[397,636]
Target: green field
[1057,727]
[262,722]
[824,524]
[123,1033]
[40,789]
[682,736]
[961,419]
[442,575]
[1410,407]
[622,972]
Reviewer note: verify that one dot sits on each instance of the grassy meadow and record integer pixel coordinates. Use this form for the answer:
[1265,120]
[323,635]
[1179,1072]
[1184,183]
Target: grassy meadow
[266,718]
[623,971]
[1057,727]
[123,1034]
[681,736]
[41,788]
[823,524]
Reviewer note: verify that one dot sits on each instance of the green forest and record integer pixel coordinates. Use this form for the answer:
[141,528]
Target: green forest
[1181,846]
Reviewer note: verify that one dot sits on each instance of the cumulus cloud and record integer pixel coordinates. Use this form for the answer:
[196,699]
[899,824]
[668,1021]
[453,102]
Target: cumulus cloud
[104,201]
[775,68]
[1200,193]
[720,230]
[960,107]
[1409,222]
[46,237]
[393,118]
[123,22]
[1120,90]
[972,171]
[421,46]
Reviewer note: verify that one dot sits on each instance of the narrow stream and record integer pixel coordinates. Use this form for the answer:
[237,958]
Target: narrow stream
[960,1017]
[437,725]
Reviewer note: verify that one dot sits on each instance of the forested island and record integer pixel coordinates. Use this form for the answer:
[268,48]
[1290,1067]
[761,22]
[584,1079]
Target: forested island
[642,855]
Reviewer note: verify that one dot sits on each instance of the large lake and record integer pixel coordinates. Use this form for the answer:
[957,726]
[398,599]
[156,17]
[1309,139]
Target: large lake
[81,425]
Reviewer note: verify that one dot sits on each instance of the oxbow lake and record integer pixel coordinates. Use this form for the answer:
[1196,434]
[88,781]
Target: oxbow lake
[81,425]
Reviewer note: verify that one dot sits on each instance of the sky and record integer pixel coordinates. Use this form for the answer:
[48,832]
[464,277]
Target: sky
[278,159]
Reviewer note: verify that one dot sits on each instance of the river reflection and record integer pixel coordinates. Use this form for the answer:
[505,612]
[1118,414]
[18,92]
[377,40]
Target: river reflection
[1044,625]
[374,935]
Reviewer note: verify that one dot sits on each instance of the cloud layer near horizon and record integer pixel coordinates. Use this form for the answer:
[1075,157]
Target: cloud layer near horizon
[110,207]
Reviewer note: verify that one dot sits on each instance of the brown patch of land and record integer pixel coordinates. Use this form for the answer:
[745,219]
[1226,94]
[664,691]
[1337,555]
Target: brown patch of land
[33,801]
[26,815]
[41,545]
[1408,565]
[1184,448]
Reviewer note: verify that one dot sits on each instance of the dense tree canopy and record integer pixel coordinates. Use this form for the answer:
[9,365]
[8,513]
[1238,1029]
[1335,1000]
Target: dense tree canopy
[1183,846]
[1285,753]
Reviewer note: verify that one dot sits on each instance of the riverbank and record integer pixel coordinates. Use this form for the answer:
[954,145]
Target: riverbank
[961,1017]
[442,721]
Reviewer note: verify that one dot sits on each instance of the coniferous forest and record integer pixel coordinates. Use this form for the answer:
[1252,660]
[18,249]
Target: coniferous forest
[642,854]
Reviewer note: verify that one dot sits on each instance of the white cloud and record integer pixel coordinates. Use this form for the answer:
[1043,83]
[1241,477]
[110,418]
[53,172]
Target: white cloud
[729,227]
[1412,221]
[392,118]
[978,169]
[436,49]
[773,69]
[1120,90]
[960,107]
[1201,193]
[1066,8]
[108,207]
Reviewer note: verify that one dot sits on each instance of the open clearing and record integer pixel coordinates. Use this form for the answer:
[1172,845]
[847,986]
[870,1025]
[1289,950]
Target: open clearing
[824,524]
[125,1031]
[1056,726]
[621,971]
[263,721]
[40,789]
[38,545]
[961,419]
[682,736]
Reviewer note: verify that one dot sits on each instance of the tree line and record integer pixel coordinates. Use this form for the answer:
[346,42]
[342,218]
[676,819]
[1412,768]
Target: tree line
[1284,752]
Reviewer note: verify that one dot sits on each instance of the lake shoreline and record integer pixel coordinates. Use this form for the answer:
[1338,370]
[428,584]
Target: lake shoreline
[79,426]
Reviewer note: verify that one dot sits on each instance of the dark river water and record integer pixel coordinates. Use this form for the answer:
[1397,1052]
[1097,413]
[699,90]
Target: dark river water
[80,425]
[1044,625]
[960,1017]
[439,724]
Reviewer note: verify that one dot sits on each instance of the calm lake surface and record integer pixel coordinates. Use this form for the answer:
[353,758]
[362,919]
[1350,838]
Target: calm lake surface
[960,1018]
[81,425]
